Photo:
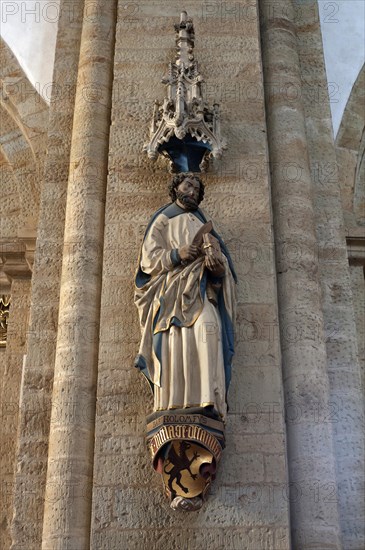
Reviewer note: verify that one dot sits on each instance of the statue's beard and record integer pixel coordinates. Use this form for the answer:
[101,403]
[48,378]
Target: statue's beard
[189,202]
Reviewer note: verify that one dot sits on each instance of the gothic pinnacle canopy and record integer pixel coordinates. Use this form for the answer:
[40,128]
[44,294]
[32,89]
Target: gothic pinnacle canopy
[184,129]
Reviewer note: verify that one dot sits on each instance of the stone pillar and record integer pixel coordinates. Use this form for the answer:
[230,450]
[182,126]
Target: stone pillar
[346,414]
[248,505]
[35,403]
[15,278]
[358,294]
[311,462]
[71,444]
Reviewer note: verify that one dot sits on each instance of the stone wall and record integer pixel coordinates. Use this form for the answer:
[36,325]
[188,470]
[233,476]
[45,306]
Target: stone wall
[249,504]
[350,146]
[11,372]
[35,403]
[285,201]
[345,407]
[24,124]
[358,293]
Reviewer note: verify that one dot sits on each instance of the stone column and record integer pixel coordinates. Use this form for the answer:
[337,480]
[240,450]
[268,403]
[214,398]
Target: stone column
[35,403]
[358,296]
[71,444]
[346,414]
[15,275]
[314,523]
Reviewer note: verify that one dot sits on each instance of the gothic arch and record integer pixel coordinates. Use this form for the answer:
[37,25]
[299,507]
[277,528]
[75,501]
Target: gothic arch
[23,135]
[350,144]
[352,123]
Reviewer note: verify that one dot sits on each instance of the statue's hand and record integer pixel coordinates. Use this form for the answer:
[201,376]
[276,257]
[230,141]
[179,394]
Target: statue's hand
[189,252]
[215,266]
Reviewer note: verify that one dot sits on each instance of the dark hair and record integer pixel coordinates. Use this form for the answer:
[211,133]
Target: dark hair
[180,178]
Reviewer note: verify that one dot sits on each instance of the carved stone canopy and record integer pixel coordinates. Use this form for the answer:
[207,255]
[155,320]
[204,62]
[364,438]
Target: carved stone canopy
[184,129]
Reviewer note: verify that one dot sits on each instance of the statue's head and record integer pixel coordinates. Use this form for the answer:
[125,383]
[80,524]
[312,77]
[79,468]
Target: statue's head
[187,189]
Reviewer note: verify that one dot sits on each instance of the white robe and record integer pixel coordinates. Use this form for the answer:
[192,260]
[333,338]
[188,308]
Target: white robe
[189,368]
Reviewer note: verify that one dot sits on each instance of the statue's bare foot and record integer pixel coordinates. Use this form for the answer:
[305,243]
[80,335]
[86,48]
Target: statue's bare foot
[186,504]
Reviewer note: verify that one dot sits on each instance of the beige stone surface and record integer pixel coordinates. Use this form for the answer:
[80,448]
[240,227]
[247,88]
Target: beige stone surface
[34,415]
[11,375]
[67,512]
[338,306]
[304,351]
[24,122]
[136,188]
[358,293]
[287,203]
[350,144]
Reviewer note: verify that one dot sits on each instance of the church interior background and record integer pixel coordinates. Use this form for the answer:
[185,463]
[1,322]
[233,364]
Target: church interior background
[79,79]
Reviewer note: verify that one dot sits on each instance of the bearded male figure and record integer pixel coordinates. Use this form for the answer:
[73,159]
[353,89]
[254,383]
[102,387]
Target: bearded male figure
[186,301]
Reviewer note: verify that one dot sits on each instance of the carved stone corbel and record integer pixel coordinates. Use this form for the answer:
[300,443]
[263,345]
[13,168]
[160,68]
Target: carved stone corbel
[16,262]
[17,258]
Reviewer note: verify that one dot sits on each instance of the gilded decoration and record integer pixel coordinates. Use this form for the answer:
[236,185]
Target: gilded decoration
[4,315]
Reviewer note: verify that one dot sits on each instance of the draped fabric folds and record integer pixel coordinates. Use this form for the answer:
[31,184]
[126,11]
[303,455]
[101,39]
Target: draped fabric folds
[186,347]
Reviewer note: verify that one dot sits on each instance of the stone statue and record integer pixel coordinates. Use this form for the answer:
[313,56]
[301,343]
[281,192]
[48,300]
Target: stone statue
[185,295]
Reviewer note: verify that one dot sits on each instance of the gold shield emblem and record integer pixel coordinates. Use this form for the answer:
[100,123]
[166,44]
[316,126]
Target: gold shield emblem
[182,469]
